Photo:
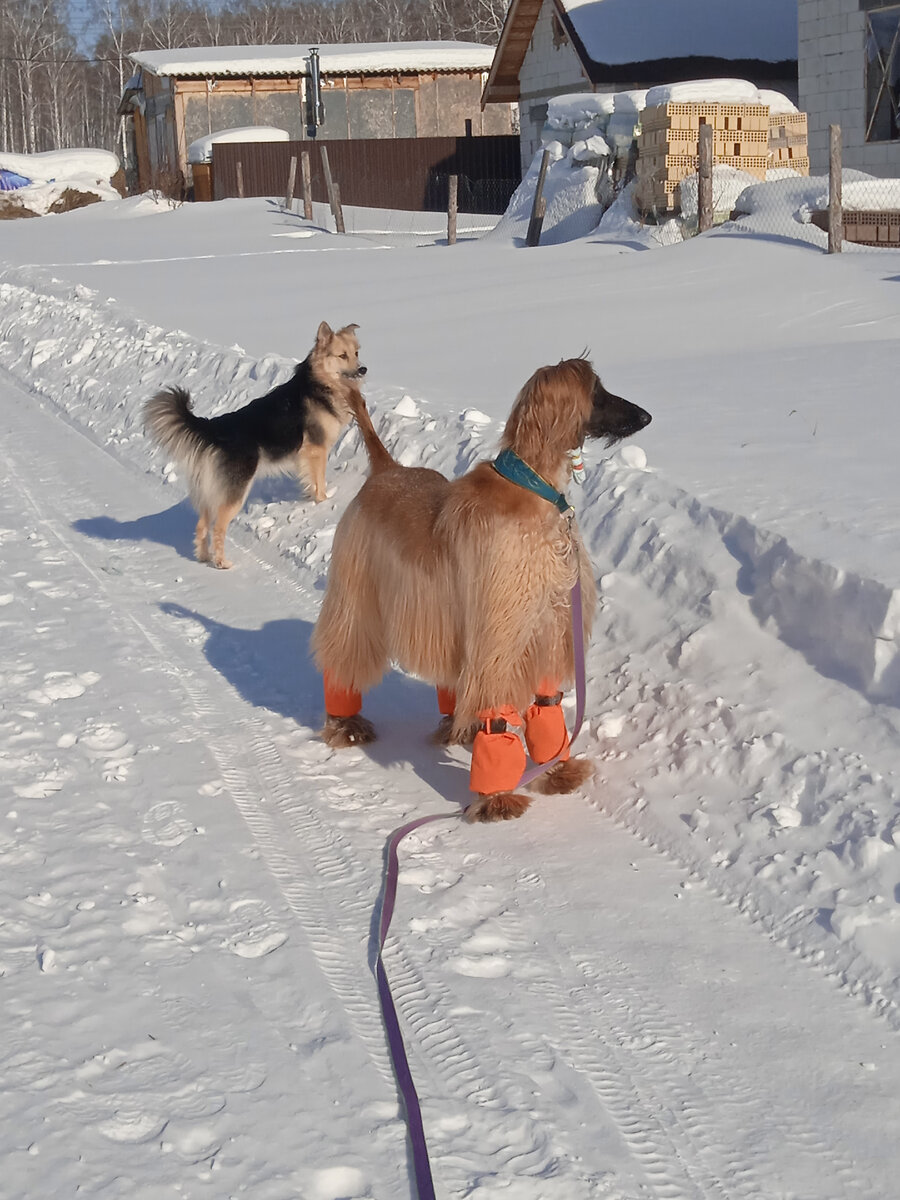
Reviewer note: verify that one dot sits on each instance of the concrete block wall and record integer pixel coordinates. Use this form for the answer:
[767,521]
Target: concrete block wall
[832,86]
[547,70]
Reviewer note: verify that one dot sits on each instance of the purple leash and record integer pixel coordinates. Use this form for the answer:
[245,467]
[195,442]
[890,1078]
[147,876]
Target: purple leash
[396,1047]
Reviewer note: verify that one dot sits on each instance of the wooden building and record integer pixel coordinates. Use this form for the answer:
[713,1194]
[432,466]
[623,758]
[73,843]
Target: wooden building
[380,90]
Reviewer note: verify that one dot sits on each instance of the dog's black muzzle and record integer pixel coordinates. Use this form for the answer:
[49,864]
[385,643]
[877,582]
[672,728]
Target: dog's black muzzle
[358,373]
[613,417]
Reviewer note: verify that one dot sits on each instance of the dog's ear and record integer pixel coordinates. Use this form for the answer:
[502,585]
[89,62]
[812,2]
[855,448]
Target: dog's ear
[550,412]
[349,329]
[325,334]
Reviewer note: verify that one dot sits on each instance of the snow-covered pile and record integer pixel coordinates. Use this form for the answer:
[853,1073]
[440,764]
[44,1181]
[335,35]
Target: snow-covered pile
[200,151]
[589,136]
[718,91]
[53,172]
[610,119]
[864,194]
[574,191]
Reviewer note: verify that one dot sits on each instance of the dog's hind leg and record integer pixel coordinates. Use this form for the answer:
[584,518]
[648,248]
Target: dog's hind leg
[446,734]
[201,536]
[344,724]
[224,516]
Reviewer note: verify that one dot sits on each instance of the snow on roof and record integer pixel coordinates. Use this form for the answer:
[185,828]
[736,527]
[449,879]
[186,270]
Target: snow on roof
[624,31]
[200,151]
[363,58]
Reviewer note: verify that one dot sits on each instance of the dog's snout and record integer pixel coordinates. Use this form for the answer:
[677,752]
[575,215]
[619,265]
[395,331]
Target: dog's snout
[644,418]
[361,370]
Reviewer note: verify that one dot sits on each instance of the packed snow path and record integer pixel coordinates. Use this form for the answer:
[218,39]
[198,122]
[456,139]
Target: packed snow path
[187,878]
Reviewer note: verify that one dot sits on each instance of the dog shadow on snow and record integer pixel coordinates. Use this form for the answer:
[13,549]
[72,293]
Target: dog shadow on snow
[175,526]
[271,668]
[171,527]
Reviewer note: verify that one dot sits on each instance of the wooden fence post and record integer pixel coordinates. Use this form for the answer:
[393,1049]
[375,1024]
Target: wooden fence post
[539,207]
[306,172]
[240,179]
[705,177]
[333,200]
[835,197]
[338,211]
[292,179]
[452,208]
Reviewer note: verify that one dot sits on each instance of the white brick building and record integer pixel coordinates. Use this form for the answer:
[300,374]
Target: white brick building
[849,75]
[551,47]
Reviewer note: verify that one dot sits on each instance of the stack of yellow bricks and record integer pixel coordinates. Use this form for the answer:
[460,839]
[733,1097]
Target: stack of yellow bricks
[788,144]
[668,146]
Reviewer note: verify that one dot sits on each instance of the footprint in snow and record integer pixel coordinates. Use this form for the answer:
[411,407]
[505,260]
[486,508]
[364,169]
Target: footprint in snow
[166,825]
[257,932]
[63,685]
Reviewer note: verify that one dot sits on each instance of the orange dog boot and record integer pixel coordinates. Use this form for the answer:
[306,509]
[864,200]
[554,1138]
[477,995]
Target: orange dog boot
[546,735]
[340,701]
[446,702]
[498,756]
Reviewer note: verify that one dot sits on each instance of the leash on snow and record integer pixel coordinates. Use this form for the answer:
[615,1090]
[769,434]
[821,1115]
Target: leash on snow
[396,1047]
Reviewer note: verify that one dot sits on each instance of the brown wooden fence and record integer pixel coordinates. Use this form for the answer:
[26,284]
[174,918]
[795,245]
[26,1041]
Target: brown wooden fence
[402,173]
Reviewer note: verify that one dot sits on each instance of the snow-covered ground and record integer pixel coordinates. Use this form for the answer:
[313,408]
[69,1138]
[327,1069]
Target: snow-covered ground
[682,983]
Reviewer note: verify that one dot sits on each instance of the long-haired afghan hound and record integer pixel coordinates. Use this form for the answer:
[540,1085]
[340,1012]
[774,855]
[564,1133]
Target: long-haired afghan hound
[467,583]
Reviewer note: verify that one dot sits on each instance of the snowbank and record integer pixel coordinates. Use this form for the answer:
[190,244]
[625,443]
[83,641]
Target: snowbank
[55,165]
[55,172]
[572,191]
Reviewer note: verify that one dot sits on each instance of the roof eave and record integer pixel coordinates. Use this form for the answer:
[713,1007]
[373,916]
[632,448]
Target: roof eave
[502,85]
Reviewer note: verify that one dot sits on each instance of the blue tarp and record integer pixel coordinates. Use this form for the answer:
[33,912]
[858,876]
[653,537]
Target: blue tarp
[9,181]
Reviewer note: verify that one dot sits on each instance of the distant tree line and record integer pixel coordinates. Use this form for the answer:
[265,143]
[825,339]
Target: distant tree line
[55,96]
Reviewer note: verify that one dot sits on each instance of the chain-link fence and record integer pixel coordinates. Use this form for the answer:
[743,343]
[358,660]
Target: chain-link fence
[776,197]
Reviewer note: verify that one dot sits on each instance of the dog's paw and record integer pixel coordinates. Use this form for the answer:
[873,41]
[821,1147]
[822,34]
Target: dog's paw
[223,564]
[499,806]
[340,732]
[565,777]
[444,735]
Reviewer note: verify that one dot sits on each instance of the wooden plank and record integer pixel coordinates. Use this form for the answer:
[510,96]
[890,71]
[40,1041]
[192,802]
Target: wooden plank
[835,180]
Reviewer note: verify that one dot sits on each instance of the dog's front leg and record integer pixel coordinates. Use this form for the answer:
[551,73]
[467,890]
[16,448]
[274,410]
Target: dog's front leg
[311,468]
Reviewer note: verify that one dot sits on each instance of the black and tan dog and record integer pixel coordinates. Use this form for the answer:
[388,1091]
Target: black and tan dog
[289,430]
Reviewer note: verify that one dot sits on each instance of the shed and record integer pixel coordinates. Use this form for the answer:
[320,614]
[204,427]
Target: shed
[369,90]
[551,47]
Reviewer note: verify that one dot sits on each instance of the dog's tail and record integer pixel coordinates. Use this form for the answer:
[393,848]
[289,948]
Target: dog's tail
[379,457]
[169,421]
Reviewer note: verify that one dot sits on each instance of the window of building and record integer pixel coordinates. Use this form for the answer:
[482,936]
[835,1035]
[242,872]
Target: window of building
[883,75]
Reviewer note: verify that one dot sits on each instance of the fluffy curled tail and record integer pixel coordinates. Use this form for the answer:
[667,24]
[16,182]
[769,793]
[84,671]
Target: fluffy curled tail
[379,457]
[169,421]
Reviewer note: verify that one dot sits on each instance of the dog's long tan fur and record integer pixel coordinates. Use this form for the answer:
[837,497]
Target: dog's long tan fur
[466,583]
